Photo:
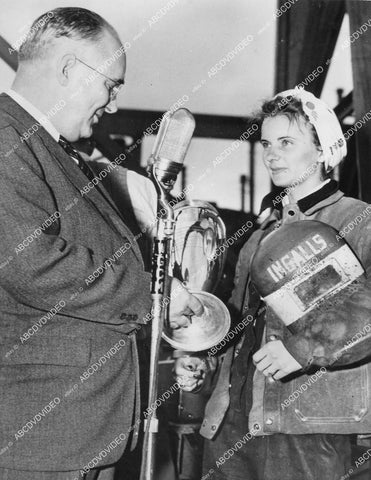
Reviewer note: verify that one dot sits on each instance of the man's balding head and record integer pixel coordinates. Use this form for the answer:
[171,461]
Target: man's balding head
[77,24]
[74,55]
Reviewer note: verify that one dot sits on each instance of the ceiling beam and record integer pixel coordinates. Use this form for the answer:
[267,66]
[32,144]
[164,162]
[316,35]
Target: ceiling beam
[136,122]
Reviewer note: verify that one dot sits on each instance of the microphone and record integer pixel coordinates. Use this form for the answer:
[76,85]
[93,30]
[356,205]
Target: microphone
[171,145]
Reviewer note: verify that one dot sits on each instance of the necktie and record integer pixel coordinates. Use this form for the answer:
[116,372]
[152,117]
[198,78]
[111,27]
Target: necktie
[72,152]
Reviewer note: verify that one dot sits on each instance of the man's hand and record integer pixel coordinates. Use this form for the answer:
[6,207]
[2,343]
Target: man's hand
[190,372]
[182,305]
[274,360]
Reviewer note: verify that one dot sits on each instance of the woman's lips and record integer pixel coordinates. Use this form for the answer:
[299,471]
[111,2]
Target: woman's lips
[278,170]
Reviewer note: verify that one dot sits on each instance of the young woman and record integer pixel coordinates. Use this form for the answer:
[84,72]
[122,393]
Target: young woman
[271,416]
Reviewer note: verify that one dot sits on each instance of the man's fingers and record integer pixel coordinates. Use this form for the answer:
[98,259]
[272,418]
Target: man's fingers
[195,305]
[180,322]
[182,303]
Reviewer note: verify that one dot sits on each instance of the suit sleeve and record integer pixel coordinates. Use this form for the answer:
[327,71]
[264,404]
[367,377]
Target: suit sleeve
[340,335]
[52,269]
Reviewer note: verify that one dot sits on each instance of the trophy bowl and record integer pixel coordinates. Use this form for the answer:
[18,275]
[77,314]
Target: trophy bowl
[194,260]
[205,330]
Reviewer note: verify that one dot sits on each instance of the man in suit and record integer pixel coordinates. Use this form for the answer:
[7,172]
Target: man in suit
[73,290]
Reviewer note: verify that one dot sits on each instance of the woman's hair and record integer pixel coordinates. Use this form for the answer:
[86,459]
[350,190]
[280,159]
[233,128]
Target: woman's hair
[290,107]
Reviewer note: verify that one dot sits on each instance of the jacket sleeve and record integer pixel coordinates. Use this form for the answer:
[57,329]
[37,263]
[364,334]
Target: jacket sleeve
[51,268]
[236,302]
[341,333]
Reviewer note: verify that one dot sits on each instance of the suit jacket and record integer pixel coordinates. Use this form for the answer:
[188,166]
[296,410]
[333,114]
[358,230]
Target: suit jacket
[68,367]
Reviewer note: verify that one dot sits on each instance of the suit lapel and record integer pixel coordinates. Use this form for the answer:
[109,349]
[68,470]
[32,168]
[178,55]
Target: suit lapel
[97,195]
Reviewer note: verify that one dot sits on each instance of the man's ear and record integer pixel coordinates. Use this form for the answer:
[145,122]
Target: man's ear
[64,66]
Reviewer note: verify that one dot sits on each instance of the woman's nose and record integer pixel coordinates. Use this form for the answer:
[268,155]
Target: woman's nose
[271,154]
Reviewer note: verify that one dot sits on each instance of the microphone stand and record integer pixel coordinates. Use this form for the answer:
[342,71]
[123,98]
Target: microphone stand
[160,290]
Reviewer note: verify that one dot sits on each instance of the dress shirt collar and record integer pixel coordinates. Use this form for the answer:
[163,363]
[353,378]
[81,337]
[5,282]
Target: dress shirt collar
[35,113]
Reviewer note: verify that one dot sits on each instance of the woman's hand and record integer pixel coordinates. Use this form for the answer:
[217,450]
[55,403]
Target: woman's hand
[274,360]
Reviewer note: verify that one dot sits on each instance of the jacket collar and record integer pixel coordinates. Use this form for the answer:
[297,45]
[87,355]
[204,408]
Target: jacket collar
[304,204]
[35,113]
[308,205]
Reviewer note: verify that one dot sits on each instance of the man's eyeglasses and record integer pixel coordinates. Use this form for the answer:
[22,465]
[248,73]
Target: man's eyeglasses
[114,89]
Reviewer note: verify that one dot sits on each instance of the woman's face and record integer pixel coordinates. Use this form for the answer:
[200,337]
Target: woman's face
[289,152]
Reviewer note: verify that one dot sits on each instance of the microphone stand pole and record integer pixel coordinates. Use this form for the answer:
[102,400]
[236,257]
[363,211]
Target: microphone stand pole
[160,290]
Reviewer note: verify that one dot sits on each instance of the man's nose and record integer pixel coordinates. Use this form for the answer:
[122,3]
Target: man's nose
[111,107]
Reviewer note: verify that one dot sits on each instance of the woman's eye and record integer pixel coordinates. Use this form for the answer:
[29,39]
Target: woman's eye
[286,142]
[264,144]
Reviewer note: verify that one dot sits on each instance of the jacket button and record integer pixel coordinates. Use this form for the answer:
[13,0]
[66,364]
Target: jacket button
[213,428]
[256,426]
[272,337]
[269,421]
